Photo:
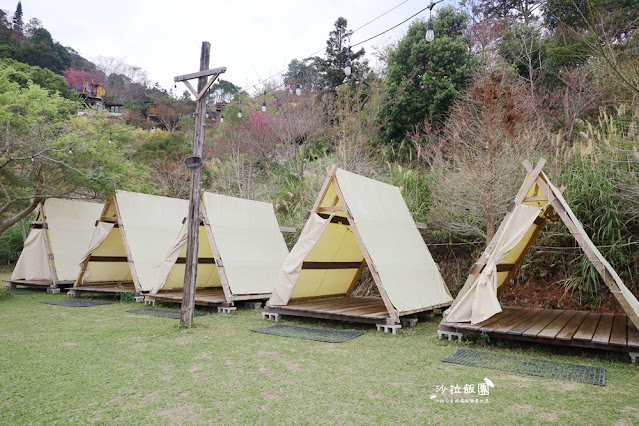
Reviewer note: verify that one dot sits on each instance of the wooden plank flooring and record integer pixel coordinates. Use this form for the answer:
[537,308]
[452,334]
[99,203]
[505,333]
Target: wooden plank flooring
[127,287]
[355,309]
[39,283]
[569,328]
[602,333]
[209,296]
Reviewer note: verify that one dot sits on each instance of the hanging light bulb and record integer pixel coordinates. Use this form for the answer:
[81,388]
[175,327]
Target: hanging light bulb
[430,31]
[70,149]
[264,103]
[32,158]
[239,113]
[298,89]
[110,139]
[347,69]
[222,118]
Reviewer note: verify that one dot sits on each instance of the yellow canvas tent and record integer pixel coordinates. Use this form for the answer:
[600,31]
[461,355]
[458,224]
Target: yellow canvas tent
[477,306]
[130,240]
[241,250]
[58,238]
[355,223]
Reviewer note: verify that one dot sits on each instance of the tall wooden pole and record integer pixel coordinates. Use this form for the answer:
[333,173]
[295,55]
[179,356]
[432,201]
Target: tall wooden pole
[195,198]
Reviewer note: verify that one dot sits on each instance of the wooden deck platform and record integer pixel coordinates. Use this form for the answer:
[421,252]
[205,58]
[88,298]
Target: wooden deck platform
[369,310]
[612,332]
[103,288]
[210,296]
[45,284]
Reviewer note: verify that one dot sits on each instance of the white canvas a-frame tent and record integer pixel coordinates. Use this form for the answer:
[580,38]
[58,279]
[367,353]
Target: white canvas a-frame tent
[130,240]
[358,223]
[58,237]
[477,306]
[240,253]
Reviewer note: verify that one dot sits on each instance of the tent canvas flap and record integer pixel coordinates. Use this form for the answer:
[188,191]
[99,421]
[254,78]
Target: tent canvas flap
[480,301]
[164,268]
[33,264]
[290,272]
[71,224]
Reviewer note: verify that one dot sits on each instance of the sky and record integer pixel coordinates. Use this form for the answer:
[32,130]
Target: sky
[252,39]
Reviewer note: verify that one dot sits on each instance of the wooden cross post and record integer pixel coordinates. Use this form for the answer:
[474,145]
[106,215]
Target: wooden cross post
[195,197]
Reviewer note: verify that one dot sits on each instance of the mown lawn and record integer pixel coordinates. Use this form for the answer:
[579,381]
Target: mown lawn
[104,365]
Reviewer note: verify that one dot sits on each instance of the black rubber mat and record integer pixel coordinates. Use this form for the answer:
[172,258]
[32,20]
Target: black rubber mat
[17,293]
[317,334]
[530,366]
[76,303]
[166,313]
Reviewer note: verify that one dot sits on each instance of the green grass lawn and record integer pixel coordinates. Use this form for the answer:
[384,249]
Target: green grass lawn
[104,365]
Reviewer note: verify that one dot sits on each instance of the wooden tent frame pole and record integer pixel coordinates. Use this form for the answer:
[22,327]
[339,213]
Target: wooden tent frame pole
[47,244]
[219,263]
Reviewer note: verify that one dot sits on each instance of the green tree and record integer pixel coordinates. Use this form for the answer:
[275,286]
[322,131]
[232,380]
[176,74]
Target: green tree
[424,79]
[44,52]
[223,91]
[610,15]
[337,53]
[523,47]
[18,24]
[45,78]
[508,10]
[305,73]
[49,151]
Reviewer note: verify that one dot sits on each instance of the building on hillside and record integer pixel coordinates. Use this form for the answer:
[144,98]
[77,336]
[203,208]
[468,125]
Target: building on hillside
[115,108]
[88,85]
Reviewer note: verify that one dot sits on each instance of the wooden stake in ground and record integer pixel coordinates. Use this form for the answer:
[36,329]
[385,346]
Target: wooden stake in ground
[195,164]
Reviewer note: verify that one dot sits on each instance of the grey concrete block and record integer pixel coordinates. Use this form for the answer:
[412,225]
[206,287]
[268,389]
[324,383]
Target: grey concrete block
[389,328]
[271,316]
[408,322]
[451,335]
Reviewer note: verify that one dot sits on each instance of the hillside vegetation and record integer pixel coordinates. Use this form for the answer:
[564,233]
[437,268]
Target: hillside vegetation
[449,121]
